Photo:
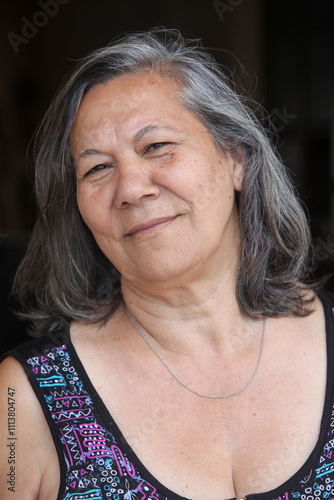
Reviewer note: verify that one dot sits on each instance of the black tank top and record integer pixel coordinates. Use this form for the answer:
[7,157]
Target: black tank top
[96,462]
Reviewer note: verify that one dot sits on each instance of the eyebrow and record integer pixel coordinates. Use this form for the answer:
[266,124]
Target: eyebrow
[141,133]
[90,152]
[149,128]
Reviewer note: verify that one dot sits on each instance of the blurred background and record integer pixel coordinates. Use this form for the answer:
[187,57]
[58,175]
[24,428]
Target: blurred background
[282,53]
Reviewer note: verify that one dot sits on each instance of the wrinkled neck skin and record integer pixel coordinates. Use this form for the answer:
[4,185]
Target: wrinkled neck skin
[194,313]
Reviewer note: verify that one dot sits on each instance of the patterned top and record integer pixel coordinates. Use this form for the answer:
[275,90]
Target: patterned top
[97,463]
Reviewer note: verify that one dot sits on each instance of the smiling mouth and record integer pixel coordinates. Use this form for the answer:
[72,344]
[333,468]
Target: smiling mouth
[150,226]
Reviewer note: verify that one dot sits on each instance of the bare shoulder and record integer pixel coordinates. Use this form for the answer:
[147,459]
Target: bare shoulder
[89,338]
[25,439]
[315,324]
[299,346]
[313,328]
[312,323]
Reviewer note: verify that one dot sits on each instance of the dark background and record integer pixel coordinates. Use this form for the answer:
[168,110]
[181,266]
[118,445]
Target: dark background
[282,52]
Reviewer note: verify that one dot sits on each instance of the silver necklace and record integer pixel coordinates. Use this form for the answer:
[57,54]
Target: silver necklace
[221,396]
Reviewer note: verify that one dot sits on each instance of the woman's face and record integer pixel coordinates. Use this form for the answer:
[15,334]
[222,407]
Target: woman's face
[152,187]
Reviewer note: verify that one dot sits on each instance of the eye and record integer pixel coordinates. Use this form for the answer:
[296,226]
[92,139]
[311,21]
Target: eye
[156,145]
[97,168]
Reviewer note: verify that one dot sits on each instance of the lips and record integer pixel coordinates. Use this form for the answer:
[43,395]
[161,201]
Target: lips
[152,223]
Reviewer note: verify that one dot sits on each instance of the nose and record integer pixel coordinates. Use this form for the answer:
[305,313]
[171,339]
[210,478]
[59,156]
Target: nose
[134,183]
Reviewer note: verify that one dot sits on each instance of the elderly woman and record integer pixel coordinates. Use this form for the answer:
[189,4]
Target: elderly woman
[182,353]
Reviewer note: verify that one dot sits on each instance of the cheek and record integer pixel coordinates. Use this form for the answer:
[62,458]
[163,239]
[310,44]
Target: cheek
[215,191]
[83,205]
[91,209]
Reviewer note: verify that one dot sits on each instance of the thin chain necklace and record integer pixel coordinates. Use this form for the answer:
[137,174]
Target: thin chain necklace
[221,396]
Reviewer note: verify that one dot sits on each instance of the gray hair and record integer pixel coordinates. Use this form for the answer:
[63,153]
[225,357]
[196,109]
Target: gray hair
[64,275]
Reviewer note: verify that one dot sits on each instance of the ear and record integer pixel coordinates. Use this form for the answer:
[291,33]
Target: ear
[239,159]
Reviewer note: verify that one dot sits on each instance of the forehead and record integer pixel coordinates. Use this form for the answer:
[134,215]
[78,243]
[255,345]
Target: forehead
[120,108]
[125,94]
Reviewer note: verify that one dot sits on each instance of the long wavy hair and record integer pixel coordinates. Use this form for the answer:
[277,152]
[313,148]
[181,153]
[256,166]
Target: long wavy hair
[65,276]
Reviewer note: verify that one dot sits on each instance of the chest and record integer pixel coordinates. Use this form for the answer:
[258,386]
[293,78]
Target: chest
[215,449]
[249,443]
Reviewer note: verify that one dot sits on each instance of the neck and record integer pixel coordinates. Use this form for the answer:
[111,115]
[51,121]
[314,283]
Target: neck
[200,317]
